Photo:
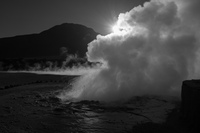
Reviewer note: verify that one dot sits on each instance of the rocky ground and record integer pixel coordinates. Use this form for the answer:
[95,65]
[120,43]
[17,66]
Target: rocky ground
[29,104]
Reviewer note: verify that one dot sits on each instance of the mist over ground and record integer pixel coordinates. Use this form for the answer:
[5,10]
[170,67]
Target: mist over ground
[154,48]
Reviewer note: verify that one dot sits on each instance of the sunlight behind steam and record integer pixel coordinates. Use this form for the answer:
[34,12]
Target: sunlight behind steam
[121,29]
[116,29]
[151,50]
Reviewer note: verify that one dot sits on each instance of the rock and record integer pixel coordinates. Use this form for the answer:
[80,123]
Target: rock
[59,109]
[190,106]
[54,99]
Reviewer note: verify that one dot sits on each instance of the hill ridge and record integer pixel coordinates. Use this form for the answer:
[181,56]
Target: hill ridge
[73,37]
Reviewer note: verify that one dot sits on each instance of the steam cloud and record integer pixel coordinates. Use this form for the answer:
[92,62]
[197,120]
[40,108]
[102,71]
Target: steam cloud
[157,49]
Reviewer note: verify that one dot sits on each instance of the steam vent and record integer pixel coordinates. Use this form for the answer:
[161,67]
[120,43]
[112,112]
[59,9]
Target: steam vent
[191,102]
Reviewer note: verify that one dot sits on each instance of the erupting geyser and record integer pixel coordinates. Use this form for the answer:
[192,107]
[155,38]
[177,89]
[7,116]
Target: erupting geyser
[153,48]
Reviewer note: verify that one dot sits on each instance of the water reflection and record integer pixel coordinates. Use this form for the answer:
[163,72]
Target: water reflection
[93,116]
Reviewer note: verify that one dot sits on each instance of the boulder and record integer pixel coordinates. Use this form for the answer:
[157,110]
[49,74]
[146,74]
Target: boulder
[190,107]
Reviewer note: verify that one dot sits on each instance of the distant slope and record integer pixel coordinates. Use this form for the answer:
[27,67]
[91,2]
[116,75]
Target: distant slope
[48,43]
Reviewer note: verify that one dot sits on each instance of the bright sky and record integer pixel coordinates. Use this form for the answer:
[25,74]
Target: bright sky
[18,17]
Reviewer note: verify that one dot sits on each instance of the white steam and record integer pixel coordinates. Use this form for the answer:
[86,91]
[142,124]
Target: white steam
[155,48]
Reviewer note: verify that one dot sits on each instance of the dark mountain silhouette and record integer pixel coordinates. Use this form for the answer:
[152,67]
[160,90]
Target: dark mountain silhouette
[72,38]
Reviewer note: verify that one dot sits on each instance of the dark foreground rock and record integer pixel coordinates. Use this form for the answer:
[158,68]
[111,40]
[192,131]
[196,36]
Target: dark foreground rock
[190,108]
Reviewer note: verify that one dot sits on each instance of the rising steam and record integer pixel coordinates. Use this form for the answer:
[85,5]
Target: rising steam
[153,49]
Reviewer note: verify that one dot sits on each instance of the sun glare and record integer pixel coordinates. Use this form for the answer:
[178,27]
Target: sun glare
[116,29]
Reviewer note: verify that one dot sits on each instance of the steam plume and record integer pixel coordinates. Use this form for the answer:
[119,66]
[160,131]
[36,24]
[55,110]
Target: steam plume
[157,47]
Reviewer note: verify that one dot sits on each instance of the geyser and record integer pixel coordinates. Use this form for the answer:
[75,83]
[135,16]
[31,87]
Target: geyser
[157,50]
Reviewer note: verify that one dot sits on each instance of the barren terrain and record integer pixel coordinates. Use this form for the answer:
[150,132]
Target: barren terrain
[28,104]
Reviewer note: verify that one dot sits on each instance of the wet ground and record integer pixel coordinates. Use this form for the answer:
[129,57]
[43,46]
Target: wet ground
[29,104]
